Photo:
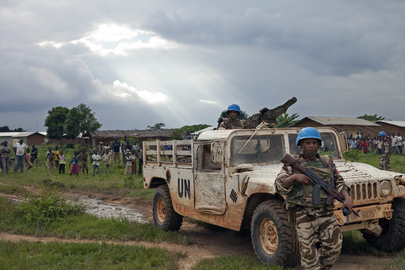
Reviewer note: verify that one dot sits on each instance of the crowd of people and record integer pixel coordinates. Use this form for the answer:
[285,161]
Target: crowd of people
[384,144]
[368,144]
[56,160]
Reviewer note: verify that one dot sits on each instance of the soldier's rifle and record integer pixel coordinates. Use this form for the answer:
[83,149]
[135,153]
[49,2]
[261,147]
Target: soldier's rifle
[318,183]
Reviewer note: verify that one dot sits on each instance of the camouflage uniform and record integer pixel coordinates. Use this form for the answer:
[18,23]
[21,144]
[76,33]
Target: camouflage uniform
[269,116]
[313,223]
[385,163]
[228,123]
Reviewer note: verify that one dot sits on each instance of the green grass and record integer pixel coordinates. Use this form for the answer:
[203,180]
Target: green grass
[233,262]
[397,161]
[14,190]
[75,225]
[116,183]
[56,255]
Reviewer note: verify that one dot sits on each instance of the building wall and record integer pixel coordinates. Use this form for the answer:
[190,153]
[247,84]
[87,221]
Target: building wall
[391,128]
[36,139]
[349,129]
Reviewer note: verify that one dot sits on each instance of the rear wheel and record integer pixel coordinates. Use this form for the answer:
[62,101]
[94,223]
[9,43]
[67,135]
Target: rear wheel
[40,163]
[164,215]
[392,237]
[273,237]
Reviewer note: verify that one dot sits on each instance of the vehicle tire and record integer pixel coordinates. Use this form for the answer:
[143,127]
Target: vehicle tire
[392,237]
[164,215]
[273,237]
[40,163]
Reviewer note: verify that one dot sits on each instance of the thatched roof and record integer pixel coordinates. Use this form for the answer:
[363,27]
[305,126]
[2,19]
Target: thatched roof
[147,133]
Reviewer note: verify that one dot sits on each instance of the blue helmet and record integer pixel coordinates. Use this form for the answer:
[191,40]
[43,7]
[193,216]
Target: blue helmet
[233,107]
[308,133]
[382,133]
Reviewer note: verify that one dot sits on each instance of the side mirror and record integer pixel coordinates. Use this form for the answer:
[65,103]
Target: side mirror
[343,142]
[217,152]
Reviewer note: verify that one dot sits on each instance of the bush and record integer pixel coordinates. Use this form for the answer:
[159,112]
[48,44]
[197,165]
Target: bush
[70,145]
[47,209]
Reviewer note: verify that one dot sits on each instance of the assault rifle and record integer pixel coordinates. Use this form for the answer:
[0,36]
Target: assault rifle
[318,183]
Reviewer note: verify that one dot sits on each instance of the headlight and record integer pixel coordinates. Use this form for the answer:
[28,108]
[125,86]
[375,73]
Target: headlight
[385,188]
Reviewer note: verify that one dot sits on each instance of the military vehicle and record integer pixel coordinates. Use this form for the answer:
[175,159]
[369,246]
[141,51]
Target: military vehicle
[226,178]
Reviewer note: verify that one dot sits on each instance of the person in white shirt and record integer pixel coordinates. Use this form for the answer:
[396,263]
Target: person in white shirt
[96,162]
[19,151]
[398,144]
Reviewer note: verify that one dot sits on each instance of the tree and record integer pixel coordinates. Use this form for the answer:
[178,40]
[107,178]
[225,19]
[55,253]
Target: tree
[242,116]
[7,129]
[80,119]
[55,121]
[371,118]
[178,132]
[156,126]
[286,120]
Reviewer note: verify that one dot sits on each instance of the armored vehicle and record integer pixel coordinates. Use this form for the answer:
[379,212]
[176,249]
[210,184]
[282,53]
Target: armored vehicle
[226,178]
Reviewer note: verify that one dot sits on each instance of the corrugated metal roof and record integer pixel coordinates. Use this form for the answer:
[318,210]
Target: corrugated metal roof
[328,121]
[394,123]
[132,133]
[19,134]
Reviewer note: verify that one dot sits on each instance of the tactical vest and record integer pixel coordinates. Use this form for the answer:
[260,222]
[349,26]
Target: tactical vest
[229,124]
[301,194]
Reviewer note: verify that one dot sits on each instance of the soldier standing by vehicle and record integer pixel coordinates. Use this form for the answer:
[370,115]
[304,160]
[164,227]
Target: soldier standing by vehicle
[313,222]
[386,150]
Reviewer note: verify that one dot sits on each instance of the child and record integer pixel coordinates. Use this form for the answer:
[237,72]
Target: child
[50,158]
[75,168]
[128,162]
[107,160]
[27,158]
[133,157]
[62,162]
[96,162]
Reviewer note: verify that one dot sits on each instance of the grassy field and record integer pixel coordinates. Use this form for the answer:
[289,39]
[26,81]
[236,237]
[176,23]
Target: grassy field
[40,219]
[116,183]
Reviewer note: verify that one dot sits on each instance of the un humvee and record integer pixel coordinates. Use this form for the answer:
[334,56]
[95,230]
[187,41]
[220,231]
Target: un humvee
[226,178]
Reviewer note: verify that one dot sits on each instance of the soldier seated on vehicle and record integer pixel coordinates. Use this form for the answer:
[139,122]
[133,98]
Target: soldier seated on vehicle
[266,115]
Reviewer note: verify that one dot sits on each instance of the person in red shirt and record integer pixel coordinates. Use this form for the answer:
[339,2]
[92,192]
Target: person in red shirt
[364,146]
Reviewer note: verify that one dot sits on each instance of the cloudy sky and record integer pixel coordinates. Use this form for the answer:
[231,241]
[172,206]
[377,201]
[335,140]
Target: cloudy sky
[136,63]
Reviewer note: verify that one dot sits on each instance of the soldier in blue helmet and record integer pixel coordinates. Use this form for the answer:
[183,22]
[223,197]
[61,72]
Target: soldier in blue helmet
[386,150]
[232,122]
[313,222]
[266,115]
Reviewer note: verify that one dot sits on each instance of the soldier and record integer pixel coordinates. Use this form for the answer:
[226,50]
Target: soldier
[266,115]
[313,223]
[386,150]
[232,122]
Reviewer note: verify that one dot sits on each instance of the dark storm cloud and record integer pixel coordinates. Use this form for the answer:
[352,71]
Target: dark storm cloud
[258,54]
[332,45]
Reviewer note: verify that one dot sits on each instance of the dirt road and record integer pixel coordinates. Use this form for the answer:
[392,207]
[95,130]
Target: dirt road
[209,241]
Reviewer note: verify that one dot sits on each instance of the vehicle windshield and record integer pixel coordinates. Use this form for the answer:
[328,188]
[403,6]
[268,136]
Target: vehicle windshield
[328,147]
[259,149]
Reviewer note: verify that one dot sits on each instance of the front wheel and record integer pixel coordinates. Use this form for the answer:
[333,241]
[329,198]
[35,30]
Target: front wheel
[164,215]
[273,237]
[392,237]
